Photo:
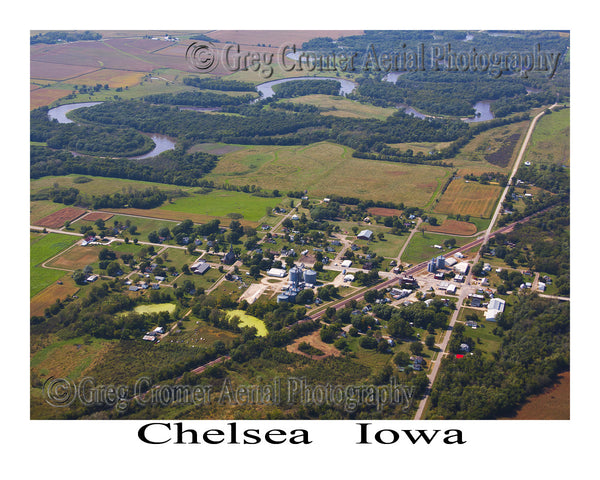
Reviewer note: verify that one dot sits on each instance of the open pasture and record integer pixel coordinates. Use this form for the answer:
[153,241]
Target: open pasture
[343,107]
[326,168]
[550,141]
[219,203]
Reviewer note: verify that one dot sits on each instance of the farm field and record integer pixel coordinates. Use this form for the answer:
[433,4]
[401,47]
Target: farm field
[50,294]
[77,258]
[42,248]
[58,218]
[328,169]
[219,203]
[39,209]
[470,198]
[550,141]
[453,227]
[472,157]
[46,96]
[343,107]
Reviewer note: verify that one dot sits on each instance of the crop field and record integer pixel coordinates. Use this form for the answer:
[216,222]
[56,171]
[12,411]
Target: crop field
[384,212]
[453,227]
[42,208]
[45,96]
[550,141]
[112,78]
[58,218]
[328,169]
[50,294]
[77,257]
[470,198]
[93,216]
[343,107]
[41,70]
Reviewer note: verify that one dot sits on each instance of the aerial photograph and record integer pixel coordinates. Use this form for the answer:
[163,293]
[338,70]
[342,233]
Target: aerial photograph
[299,225]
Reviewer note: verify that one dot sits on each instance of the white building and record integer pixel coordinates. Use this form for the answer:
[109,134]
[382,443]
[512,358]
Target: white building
[276,272]
[346,263]
[462,268]
[495,307]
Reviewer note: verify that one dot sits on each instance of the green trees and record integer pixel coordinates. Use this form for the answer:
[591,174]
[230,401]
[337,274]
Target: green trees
[416,347]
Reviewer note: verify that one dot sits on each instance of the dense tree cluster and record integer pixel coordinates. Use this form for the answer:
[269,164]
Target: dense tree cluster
[197,99]
[534,349]
[60,36]
[210,83]
[299,88]
[101,140]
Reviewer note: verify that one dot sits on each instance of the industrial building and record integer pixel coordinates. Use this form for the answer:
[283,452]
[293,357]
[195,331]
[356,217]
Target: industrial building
[495,307]
[276,272]
[462,268]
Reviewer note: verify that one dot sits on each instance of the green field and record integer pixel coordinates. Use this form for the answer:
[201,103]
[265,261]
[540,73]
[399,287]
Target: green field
[421,247]
[155,308]
[550,140]
[249,321]
[219,203]
[43,247]
[326,168]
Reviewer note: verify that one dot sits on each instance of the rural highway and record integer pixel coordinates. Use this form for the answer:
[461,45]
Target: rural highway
[465,291]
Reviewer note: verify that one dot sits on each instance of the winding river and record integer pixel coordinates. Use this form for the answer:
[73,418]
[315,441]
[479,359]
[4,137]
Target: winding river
[266,89]
[162,143]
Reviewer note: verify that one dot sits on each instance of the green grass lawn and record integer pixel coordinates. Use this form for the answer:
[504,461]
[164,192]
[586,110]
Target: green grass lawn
[421,247]
[485,341]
